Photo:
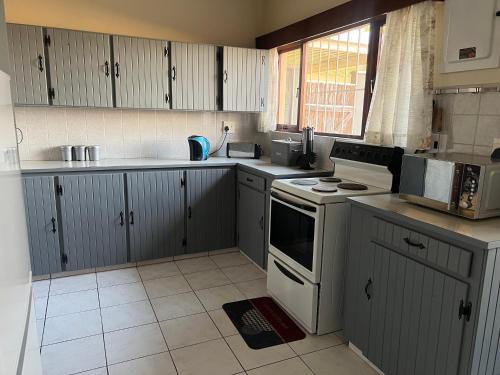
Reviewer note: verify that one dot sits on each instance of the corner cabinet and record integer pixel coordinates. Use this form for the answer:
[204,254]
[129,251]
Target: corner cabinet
[244,79]
[419,300]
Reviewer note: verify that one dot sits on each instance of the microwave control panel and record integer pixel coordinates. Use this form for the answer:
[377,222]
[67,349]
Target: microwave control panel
[469,187]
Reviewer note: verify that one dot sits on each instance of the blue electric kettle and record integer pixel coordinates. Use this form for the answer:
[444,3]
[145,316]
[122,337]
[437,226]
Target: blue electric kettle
[199,147]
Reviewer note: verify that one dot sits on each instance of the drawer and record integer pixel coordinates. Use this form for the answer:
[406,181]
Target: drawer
[252,180]
[433,251]
[295,294]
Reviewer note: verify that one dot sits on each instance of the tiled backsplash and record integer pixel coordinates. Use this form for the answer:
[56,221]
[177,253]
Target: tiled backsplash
[471,121]
[124,133]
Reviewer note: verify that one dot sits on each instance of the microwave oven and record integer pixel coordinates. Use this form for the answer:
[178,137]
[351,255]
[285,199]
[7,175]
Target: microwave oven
[460,184]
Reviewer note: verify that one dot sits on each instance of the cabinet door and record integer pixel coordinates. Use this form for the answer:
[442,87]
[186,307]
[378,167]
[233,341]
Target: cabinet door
[194,76]
[93,220]
[141,73]
[156,214]
[43,232]
[414,321]
[80,68]
[244,79]
[211,205]
[251,220]
[27,56]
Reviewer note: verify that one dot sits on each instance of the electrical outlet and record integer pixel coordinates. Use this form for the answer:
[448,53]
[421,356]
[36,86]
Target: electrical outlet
[229,125]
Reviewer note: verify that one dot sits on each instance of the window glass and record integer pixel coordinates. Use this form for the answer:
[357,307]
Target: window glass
[289,87]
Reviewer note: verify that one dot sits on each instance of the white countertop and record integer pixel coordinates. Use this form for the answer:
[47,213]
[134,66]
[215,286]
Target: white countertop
[262,165]
[486,232]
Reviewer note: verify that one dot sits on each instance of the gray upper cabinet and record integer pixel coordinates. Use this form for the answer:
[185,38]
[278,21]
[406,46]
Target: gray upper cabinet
[93,220]
[43,231]
[251,221]
[211,209]
[156,214]
[194,76]
[244,81]
[80,68]
[141,73]
[27,55]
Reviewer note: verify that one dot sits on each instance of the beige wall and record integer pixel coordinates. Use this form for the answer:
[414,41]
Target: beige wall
[229,22]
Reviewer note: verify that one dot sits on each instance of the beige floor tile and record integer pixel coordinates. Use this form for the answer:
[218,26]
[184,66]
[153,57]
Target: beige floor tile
[72,303]
[99,371]
[166,286]
[229,260]
[132,343]
[72,326]
[208,358]
[250,358]
[73,284]
[191,256]
[293,366]
[148,262]
[117,277]
[159,270]
[39,330]
[127,315]
[40,307]
[224,251]
[74,356]
[214,298]
[158,364]
[253,288]
[120,294]
[337,360]
[245,272]
[313,343]
[223,323]
[177,306]
[207,279]
[196,265]
[189,330]
[41,288]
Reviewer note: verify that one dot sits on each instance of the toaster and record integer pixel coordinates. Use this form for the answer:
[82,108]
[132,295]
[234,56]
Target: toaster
[243,150]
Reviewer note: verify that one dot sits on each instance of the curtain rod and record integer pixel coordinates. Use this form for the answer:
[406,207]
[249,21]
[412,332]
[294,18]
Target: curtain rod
[466,90]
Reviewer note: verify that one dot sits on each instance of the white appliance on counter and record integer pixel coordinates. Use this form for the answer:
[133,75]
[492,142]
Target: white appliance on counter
[308,232]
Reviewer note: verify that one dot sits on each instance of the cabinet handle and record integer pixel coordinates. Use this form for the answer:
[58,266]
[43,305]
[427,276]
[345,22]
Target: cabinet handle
[189,212]
[249,179]
[261,222]
[131,217]
[40,63]
[225,76]
[174,73]
[288,274]
[53,220]
[368,295]
[420,245]
[106,69]
[117,70]
[121,219]
[464,310]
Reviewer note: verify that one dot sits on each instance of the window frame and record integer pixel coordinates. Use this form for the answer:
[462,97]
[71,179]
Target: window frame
[376,25]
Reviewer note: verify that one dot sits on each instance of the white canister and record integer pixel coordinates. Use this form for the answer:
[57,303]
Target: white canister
[79,152]
[66,153]
[94,153]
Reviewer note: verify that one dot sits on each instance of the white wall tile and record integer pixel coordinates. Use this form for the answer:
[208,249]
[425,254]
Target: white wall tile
[490,103]
[464,129]
[466,104]
[488,128]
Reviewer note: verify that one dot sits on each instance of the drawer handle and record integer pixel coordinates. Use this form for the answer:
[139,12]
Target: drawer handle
[190,213]
[249,179]
[53,220]
[122,223]
[131,217]
[40,63]
[106,69]
[368,284]
[420,245]
[174,73]
[225,76]
[117,70]
[464,310]
[288,274]
[261,222]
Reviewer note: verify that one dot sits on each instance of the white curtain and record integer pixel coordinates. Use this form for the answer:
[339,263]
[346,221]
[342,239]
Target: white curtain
[401,109]
[267,120]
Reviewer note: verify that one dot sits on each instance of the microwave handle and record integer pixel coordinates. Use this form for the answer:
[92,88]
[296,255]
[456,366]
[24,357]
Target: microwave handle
[302,206]
[288,274]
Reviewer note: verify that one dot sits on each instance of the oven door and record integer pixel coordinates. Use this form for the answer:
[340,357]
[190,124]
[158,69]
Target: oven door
[296,233]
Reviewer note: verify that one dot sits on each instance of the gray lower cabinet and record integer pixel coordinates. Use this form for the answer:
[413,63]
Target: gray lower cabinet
[27,56]
[155,214]
[42,223]
[211,209]
[93,220]
[251,223]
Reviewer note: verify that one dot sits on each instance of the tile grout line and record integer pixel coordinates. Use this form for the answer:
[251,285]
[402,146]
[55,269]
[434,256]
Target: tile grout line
[102,325]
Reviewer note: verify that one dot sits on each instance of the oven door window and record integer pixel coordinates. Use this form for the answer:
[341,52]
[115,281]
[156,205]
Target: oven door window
[292,233]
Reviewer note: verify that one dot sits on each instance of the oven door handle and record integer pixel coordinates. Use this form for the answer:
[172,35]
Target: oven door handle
[288,274]
[302,206]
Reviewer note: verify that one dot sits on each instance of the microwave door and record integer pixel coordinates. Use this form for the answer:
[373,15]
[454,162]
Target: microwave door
[438,182]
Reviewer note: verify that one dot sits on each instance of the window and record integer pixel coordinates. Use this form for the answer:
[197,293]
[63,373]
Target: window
[326,82]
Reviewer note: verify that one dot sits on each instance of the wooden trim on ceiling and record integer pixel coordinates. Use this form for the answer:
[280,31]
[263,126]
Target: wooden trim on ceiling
[350,13]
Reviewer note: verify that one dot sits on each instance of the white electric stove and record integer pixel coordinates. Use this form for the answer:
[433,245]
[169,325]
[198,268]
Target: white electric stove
[308,232]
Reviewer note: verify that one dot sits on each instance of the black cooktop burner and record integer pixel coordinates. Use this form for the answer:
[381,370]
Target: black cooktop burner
[330,179]
[305,182]
[352,186]
[324,189]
